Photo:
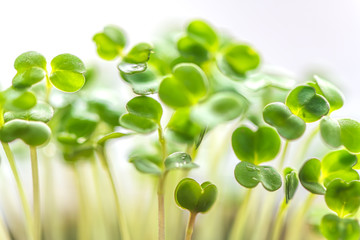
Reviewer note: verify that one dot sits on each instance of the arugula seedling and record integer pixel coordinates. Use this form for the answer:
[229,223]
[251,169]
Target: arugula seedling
[110,42]
[315,176]
[196,198]
[332,227]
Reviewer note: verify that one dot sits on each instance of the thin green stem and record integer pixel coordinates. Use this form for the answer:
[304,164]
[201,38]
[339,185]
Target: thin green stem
[283,155]
[241,216]
[306,145]
[161,184]
[298,220]
[82,216]
[124,231]
[190,226]
[48,89]
[279,219]
[36,192]
[24,202]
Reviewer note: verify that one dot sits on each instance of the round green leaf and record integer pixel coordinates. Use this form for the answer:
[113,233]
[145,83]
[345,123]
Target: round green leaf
[31,132]
[144,82]
[334,228]
[309,176]
[350,134]
[291,183]
[287,124]
[218,108]
[42,112]
[194,197]
[304,102]
[29,77]
[192,50]
[110,42]
[203,33]
[18,99]
[342,197]
[339,164]
[140,53]
[330,131]
[256,147]
[249,176]
[137,123]
[238,59]
[186,86]
[145,107]
[332,94]
[179,160]
[67,73]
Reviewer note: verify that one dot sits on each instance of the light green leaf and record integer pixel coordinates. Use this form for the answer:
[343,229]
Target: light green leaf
[350,134]
[334,228]
[18,99]
[179,160]
[42,112]
[287,124]
[332,94]
[219,108]
[67,73]
[330,131]
[110,42]
[256,147]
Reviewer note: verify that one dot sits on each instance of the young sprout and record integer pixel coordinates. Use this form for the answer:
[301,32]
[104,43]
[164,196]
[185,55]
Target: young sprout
[343,198]
[196,198]
[315,175]
[199,42]
[286,123]
[67,72]
[110,42]
[338,132]
[185,87]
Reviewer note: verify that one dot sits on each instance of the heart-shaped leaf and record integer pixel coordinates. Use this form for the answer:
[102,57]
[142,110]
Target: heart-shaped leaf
[332,94]
[140,53]
[337,132]
[186,86]
[182,128]
[203,33]
[194,197]
[219,108]
[238,59]
[256,147]
[249,176]
[314,175]
[67,73]
[179,160]
[334,228]
[304,102]
[144,114]
[31,69]
[110,42]
[291,183]
[17,99]
[144,82]
[192,50]
[342,197]
[31,132]
[42,112]
[287,124]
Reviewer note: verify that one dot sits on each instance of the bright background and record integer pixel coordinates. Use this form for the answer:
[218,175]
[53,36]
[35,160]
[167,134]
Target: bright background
[298,35]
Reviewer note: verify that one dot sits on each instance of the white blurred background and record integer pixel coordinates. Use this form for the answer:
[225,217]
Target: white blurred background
[298,35]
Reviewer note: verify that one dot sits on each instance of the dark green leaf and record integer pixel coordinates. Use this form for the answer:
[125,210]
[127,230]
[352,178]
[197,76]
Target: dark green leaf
[291,183]
[309,176]
[137,123]
[304,102]
[194,197]
[249,176]
[330,92]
